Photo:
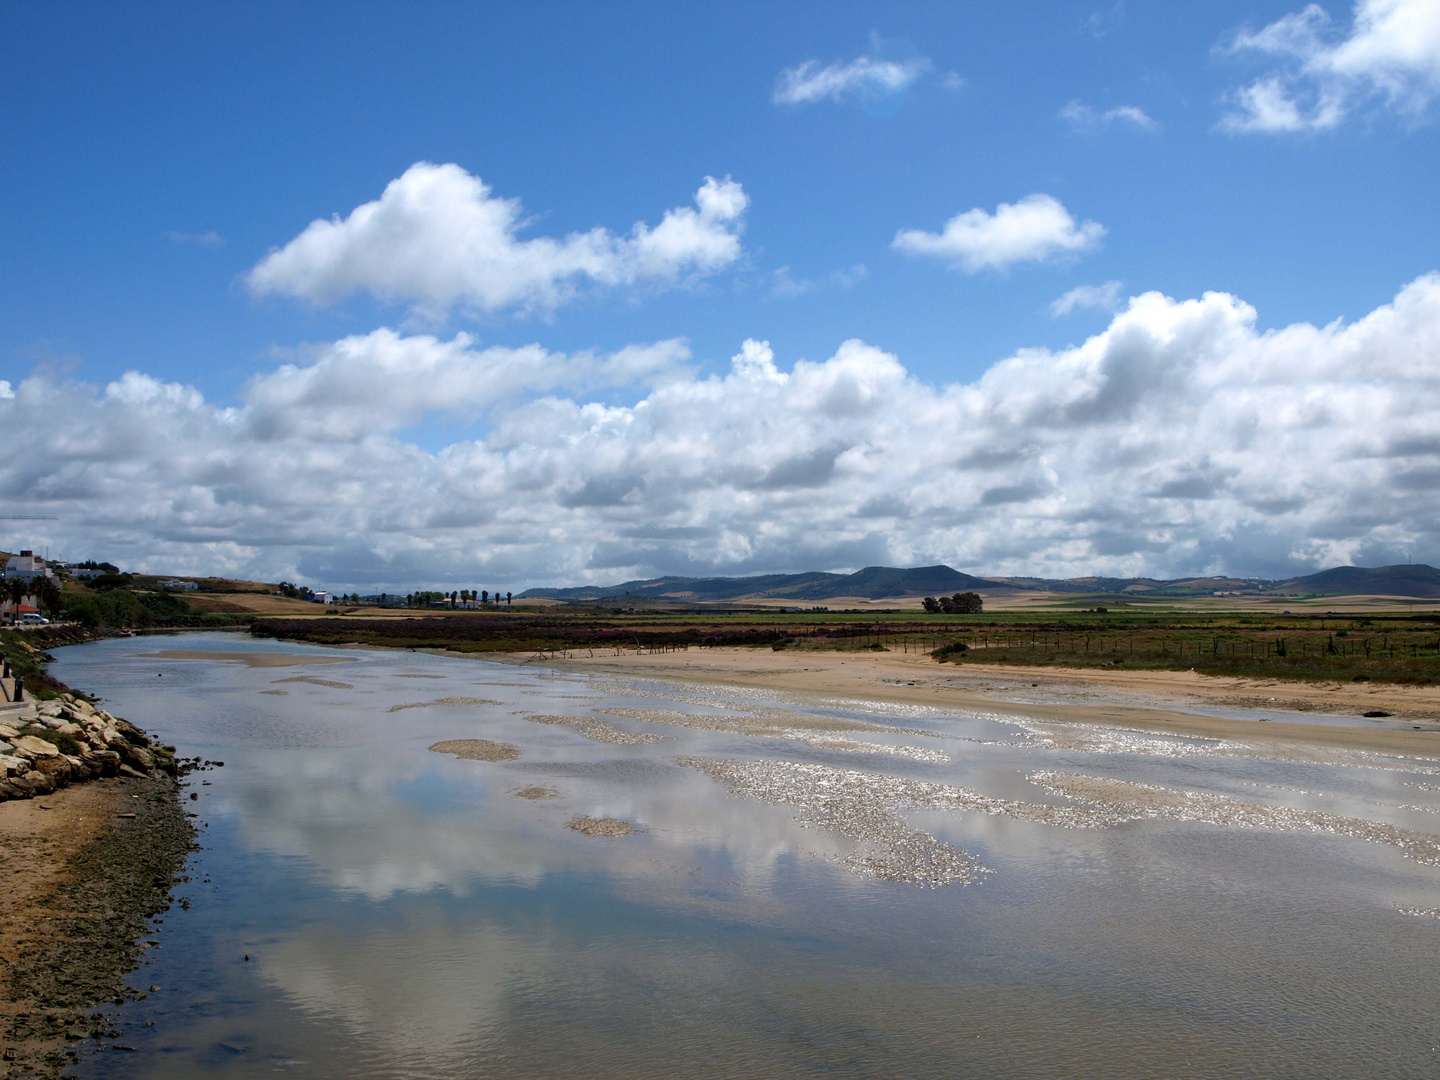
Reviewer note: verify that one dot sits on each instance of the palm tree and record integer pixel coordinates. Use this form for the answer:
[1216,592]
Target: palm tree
[16,589]
[507,598]
[48,596]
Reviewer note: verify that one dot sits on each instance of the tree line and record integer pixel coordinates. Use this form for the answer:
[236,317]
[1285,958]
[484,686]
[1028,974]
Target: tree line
[962,603]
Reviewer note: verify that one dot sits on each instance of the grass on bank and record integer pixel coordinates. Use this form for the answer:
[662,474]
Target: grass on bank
[1393,647]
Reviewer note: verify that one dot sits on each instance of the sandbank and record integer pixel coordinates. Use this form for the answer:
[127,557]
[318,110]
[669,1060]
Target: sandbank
[1151,700]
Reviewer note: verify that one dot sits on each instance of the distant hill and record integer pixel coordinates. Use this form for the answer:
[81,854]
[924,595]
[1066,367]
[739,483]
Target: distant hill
[879,582]
[1417,581]
[872,583]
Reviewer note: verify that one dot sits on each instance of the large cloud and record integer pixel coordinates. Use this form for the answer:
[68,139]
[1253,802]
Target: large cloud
[437,237]
[1034,229]
[1392,53]
[1179,439]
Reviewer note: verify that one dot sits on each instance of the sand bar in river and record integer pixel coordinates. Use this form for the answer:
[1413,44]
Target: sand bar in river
[1149,700]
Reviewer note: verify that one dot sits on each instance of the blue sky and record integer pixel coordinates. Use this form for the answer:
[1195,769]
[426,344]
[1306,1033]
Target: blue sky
[156,153]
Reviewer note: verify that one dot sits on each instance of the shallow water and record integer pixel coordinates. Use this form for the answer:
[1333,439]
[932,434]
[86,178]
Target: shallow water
[790,901]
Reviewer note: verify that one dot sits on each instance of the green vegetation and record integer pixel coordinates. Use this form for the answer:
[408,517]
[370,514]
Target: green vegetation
[64,743]
[966,603]
[114,605]
[1389,647]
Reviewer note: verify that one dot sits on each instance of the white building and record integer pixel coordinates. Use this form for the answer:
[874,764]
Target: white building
[27,565]
[177,583]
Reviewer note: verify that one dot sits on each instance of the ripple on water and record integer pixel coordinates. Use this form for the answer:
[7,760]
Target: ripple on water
[1128,800]
[862,806]
[594,728]
[821,732]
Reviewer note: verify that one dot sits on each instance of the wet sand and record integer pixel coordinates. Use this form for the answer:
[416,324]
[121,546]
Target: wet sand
[1147,700]
[478,749]
[613,828]
[78,885]
[36,846]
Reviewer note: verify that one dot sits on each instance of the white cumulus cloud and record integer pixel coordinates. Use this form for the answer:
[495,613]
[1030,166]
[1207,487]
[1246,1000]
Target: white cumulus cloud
[811,82]
[439,238]
[1104,297]
[1034,229]
[1391,54]
[1179,439]
[1087,118]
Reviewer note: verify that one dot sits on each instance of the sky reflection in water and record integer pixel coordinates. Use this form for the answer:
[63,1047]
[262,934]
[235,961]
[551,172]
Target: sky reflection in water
[406,914]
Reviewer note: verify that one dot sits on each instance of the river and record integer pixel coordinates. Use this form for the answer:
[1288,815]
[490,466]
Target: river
[808,888]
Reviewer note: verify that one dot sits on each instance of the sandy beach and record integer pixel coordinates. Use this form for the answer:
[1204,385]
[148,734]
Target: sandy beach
[1152,700]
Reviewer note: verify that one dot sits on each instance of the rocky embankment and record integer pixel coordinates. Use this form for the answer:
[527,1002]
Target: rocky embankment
[52,744]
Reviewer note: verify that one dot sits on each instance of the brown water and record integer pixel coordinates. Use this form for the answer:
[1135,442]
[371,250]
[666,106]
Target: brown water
[669,880]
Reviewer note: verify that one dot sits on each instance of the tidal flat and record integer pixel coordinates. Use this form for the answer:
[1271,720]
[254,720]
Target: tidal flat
[654,878]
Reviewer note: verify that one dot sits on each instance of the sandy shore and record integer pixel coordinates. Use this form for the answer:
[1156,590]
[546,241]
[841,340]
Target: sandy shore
[1153,700]
[79,882]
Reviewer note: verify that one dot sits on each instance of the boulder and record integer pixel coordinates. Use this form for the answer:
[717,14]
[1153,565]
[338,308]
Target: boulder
[132,733]
[10,791]
[106,762]
[6,747]
[50,708]
[139,757]
[30,746]
[56,768]
[34,783]
[67,728]
[13,766]
[79,768]
[134,774]
[8,731]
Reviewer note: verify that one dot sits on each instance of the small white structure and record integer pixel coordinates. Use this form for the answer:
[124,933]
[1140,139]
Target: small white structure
[27,566]
[177,583]
[321,597]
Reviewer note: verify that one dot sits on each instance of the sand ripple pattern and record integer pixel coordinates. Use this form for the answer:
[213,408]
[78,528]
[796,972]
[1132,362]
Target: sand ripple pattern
[820,732]
[477,749]
[610,827]
[442,701]
[594,728]
[318,682]
[1125,800]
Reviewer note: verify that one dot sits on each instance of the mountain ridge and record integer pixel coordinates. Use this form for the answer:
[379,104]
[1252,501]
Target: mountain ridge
[882,582]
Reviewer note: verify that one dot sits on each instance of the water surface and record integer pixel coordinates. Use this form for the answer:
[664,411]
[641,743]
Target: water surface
[809,888]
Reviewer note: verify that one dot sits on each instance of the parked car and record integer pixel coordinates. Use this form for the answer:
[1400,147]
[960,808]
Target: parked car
[31,619]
